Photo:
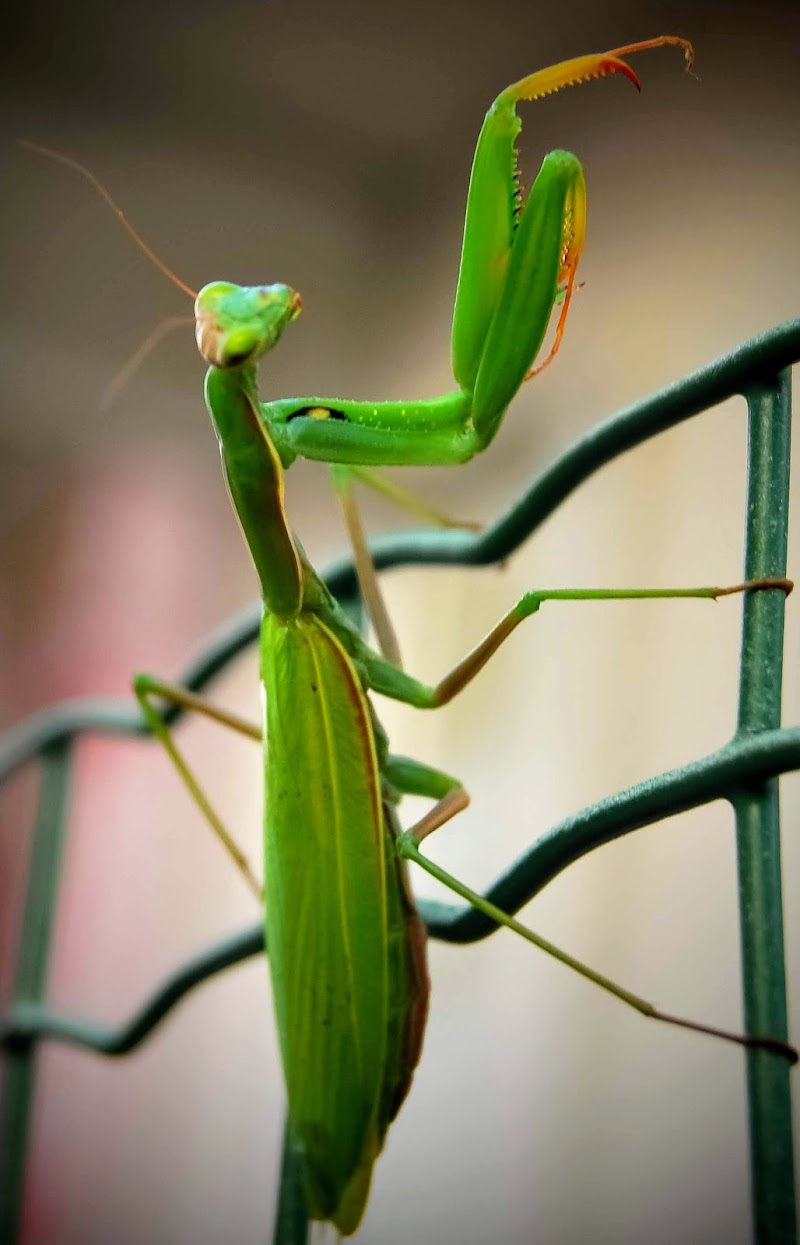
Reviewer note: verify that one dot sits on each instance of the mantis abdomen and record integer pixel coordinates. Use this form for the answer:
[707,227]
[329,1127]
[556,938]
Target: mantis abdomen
[346,948]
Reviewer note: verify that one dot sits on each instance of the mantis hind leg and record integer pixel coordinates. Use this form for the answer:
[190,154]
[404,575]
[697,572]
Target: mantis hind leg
[413,778]
[147,690]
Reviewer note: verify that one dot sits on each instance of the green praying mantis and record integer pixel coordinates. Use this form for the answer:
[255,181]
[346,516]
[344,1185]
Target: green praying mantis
[346,946]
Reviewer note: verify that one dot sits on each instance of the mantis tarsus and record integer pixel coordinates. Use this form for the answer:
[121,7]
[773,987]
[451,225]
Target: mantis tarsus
[346,947]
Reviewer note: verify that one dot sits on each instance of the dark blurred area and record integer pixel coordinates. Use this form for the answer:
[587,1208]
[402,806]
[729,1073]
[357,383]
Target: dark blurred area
[328,146]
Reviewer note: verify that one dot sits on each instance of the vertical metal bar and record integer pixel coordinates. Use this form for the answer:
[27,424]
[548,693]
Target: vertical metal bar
[758,816]
[291,1219]
[29,983]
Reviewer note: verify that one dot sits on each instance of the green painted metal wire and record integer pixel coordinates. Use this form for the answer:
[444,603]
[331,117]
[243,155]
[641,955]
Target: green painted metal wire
[31,977]
[757,815]
[738,766]
[744,772]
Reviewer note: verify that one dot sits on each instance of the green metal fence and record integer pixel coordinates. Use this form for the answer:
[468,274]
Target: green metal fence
[744,772]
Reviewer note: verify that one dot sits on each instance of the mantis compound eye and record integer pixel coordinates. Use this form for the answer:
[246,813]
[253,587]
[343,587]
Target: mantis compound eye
[237,347]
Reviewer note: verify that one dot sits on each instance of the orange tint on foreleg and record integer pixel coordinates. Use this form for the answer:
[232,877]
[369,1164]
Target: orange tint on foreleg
[574,237]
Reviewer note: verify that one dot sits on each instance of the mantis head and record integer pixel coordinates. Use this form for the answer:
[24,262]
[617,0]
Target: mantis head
[237,324]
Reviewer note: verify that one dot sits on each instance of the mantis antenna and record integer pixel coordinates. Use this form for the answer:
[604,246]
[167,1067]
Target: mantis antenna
[51,154]
[121,379]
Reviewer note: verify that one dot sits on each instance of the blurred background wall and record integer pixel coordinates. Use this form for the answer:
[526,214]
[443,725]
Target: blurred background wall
[329,146]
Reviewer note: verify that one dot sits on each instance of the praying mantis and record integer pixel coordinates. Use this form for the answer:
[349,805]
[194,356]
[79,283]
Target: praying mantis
[346,946]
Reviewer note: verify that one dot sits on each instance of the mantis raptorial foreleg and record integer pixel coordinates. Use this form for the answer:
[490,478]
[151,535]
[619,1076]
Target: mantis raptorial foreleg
[519,262]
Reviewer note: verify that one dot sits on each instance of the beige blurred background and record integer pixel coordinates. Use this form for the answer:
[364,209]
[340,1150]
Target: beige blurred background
[328,146]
